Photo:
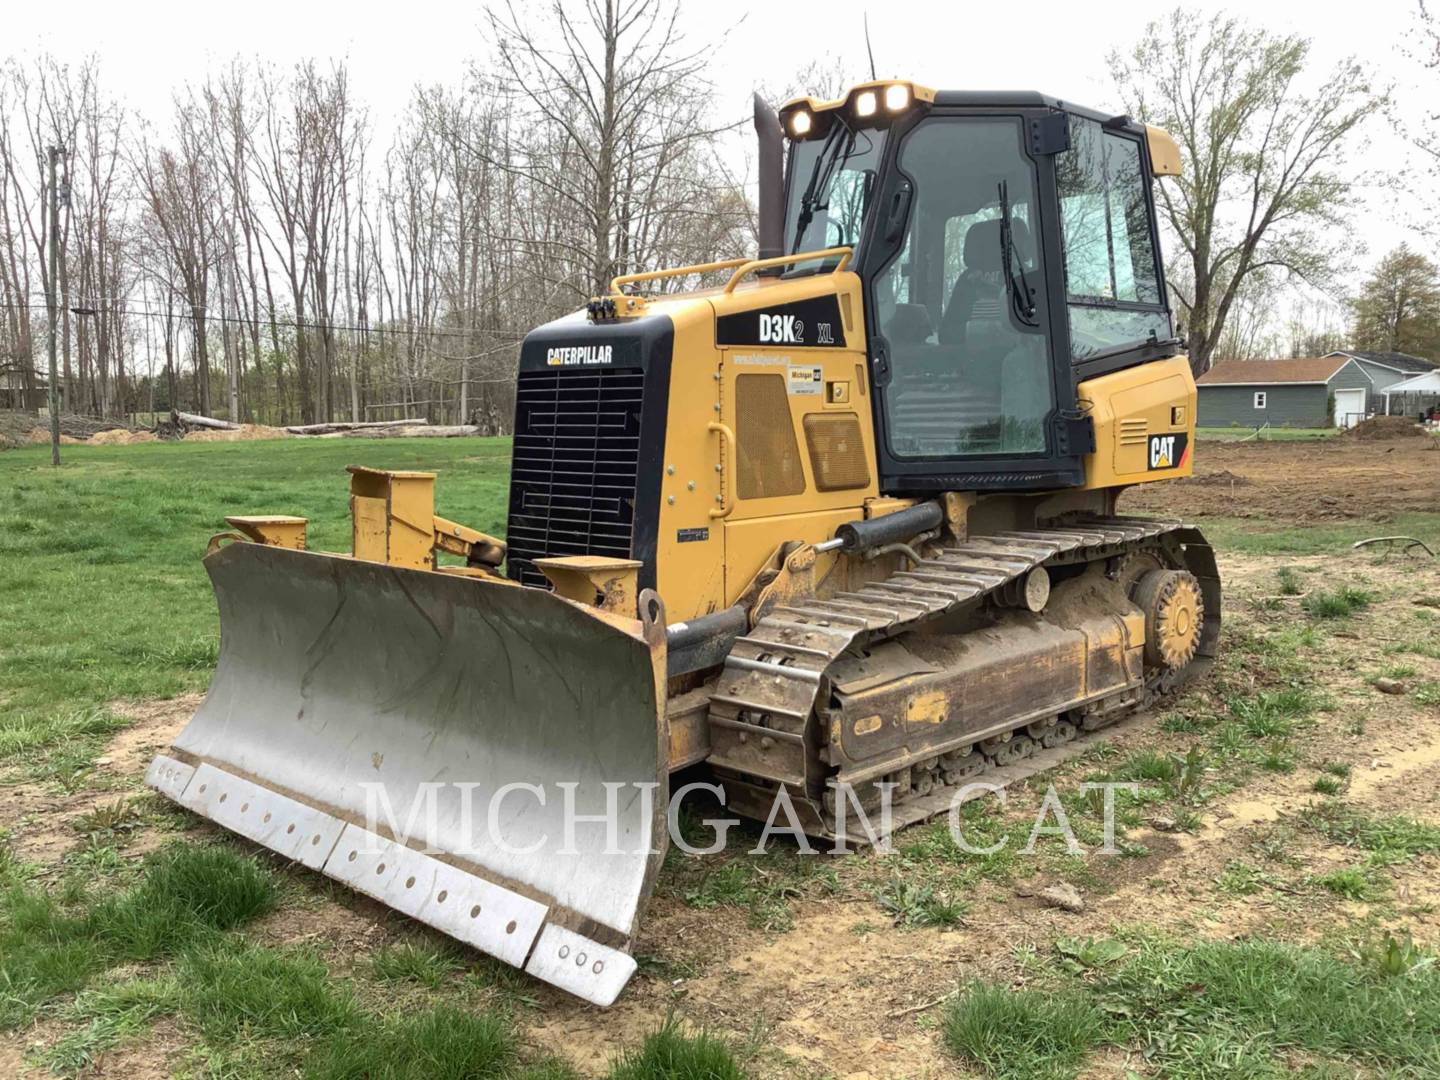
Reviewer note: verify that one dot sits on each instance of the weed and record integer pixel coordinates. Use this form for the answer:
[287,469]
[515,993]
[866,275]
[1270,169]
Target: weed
[1394,956]
[110,819]
[1149,765]
[1427,694]
[1276,845]
[912,904]
[1328,785]
[1185,723]
[1289,581]
[1392,837]
[1023,1033]
[1277,757]
[1271,714]
[1241,879]
[669,1053]
[1336,768]
[762,886]
[1337,604]
[1085,953]
[1395,671]
[1351,884]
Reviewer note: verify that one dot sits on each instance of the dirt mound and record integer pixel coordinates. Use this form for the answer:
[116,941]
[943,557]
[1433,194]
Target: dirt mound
[1385,427]
[121,437]
[42,435]
[244,433]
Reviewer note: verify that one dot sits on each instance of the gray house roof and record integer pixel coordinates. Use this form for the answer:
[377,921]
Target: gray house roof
[1396,361]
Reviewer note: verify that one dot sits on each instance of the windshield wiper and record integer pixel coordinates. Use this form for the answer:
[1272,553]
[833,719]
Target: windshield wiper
[1022,297]
[821,174]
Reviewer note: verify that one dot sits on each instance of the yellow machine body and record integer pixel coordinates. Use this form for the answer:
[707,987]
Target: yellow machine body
[724,547]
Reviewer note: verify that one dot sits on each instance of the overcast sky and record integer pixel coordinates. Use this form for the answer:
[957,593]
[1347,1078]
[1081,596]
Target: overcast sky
[1060,48]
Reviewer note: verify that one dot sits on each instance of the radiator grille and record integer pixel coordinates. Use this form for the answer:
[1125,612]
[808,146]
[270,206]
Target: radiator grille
[837,454]
[574,466]
[765,453]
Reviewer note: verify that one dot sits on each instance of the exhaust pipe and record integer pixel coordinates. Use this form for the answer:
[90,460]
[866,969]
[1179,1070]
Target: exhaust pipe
[772,181]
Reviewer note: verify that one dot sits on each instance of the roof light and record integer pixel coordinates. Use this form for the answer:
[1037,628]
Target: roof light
[800,124]
[866,103]
[897,96]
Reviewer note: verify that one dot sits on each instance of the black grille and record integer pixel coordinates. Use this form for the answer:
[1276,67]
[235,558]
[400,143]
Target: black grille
[574,465]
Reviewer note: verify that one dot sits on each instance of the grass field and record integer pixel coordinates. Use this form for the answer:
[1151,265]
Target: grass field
[1273,908]
[1272,434]
[102,592]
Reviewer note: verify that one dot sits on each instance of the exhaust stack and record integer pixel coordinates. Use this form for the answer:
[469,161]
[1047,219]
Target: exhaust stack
[772,181]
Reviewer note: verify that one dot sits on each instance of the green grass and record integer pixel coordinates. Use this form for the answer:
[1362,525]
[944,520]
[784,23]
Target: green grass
[102,592]
[440,1041]
[669,1053]
[1271,434]
[421,962]
[1271,714]
[187,895]
[1351,883]
[1338,604]
[1391,837]
[1242,1009]
[1289,581]
[1023,1034]
[1248,536]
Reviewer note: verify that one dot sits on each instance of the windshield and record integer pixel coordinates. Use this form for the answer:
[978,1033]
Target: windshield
[831,184]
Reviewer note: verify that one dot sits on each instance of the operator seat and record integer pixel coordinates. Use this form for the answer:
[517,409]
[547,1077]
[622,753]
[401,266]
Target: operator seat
[978,295]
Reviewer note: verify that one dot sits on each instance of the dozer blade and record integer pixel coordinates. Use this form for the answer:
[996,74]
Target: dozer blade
[363,719]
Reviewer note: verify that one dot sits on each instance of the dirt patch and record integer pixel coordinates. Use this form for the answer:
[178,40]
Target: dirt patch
[42,822]
[1300,481]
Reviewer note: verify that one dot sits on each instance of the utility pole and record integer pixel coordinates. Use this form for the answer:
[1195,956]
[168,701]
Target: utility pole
[52,305]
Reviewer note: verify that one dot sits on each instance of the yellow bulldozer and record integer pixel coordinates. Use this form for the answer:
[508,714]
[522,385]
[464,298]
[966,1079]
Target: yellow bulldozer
[842,528]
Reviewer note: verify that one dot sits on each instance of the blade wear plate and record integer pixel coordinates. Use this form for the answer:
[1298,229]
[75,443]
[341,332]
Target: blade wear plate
[351,694]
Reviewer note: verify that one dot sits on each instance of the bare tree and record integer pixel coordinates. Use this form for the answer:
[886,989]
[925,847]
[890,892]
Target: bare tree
[1264,176]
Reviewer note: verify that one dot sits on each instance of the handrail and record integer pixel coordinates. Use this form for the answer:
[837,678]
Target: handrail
[727,472]
[785,260]
[621,280]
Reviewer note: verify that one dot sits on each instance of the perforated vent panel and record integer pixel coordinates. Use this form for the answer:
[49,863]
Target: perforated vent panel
[575,463]
[765,453]
[837,453]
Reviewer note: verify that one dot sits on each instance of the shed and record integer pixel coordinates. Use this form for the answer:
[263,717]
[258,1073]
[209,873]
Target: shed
[1417,396]
[1385,369]
[1309,392]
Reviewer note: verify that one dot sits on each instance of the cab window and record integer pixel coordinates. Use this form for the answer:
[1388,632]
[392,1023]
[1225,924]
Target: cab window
[1112,281]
